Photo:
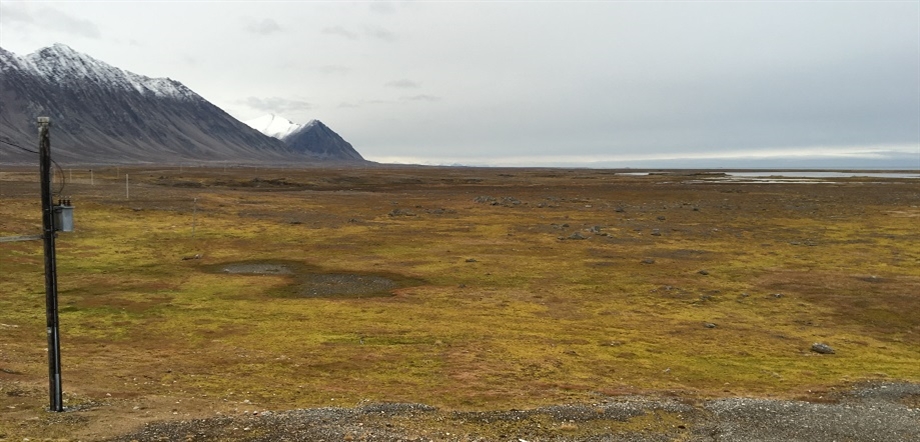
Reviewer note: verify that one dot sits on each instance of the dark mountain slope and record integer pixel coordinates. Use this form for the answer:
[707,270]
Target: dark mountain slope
[319,140]
[102,114]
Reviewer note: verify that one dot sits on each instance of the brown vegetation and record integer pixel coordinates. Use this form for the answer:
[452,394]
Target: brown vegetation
[467,289]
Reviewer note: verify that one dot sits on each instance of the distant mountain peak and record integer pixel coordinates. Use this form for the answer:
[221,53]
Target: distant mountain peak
[276,126]
[313,137]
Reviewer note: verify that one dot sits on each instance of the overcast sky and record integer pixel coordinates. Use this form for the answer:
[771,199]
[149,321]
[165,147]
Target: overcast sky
[526,82]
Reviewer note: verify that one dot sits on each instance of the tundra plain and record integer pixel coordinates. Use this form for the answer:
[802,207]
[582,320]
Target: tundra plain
[214,291]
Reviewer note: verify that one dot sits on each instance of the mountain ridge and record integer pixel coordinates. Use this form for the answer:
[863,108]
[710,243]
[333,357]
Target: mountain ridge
[312,137]
[103,114]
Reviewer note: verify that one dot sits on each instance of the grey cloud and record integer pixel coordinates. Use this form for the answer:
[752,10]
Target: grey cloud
[189,59]
[362,103]
[276,104]
[421,97]
[375,32]
[382,7]
[379,33]
[66,23]
[12,15]
[403,84]
[265,27]
[340,31]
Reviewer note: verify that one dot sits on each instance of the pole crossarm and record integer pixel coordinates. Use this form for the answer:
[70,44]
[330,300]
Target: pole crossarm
[21,238]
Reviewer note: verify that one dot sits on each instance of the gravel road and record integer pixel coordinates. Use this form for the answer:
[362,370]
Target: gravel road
[888,412]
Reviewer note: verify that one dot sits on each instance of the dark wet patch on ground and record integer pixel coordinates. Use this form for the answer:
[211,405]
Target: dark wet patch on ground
[309,281]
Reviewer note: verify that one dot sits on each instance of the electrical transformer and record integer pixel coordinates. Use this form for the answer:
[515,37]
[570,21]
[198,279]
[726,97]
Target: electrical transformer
[63,216]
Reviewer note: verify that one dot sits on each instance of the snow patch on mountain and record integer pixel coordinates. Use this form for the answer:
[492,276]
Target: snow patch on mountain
[62,65]
[278,127]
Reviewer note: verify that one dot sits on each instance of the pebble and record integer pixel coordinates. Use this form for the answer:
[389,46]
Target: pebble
[875,411]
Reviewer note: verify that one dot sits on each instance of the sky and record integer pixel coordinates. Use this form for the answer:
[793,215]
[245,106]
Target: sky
[532,83]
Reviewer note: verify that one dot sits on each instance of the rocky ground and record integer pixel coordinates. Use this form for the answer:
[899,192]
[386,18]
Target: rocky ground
[872,412]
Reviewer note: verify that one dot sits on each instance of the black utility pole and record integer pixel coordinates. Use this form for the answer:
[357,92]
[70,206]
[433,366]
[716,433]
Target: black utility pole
[51,298]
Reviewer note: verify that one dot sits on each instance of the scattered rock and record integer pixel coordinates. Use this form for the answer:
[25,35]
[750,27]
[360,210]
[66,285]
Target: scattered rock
[661,218]
[821,348]
[709,325]
[492,201]
[577,235]
[777,295]
[648,261]
[656,232]
[619,210]
[703,272]
[471,260]
[186,258]
[400,212]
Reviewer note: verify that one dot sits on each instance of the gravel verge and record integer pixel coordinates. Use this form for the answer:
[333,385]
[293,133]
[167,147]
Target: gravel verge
[887,412]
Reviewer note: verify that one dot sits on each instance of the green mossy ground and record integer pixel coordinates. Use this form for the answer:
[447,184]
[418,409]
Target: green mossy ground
[495,307]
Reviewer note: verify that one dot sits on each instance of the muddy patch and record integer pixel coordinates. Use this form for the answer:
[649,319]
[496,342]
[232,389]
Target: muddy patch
[346,284]
[313,282]
[256,268]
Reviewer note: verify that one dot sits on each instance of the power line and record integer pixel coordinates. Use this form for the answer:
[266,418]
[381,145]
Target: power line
[61,170]
[60,191]
[20,147]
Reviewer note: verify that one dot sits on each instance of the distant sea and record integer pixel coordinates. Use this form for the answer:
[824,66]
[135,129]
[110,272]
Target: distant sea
[897,161]
[900,163]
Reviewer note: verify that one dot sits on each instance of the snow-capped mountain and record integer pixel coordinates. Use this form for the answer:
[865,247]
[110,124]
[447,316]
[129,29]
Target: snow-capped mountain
[275,126]
[313,137]
[64,65]
[103,114]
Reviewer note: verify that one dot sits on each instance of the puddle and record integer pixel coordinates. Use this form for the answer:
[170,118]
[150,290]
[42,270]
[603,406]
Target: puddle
[312,282]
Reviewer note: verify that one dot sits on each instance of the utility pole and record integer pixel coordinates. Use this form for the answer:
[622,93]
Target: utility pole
[51,298]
